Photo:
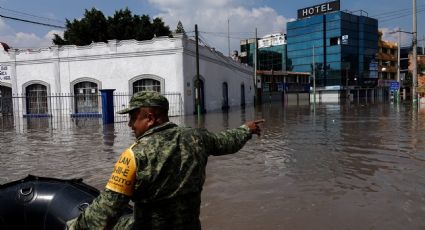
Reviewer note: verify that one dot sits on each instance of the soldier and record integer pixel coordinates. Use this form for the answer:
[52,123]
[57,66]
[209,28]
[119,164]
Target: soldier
[162,172]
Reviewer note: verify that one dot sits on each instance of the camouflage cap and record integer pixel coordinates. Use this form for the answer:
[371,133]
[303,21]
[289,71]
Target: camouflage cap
[146,99]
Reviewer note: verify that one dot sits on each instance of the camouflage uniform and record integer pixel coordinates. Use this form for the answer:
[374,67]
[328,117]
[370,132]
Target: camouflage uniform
[170,173]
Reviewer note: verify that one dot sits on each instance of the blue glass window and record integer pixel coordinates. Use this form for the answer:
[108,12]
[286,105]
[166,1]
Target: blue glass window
[358,47]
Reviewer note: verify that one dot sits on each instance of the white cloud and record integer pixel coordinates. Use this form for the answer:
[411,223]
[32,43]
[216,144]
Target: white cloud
[211,16]
[51,34]
[4,28]
[389,35]
[24,40]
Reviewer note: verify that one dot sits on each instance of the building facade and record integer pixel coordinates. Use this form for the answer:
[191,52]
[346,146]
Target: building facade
[387,59]
[421,75]
[166,65]
[274,82]
[387,66]
[406,69]
[344,47]
[271,52]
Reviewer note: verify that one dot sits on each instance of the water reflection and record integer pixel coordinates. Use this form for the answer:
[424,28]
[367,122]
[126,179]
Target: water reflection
[109,134]
[356,165]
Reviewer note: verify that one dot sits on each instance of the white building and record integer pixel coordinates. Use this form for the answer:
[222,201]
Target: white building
[162,64]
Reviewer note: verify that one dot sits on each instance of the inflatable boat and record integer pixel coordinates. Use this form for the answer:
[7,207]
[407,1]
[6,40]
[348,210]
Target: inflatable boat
[42,202]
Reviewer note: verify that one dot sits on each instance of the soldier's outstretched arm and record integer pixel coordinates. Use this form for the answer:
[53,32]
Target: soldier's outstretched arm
[231,141]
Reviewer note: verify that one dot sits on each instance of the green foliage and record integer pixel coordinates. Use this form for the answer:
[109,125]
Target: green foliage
[123,25]
[159,29]
[180,29]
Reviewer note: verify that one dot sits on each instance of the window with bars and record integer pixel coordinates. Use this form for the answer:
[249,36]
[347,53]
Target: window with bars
[146,85]
[36,99]
[86,97]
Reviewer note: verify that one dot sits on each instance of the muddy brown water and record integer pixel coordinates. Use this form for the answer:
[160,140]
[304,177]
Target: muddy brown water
[359,166]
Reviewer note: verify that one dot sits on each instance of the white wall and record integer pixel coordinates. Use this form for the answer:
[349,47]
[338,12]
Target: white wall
[115,64]
[214,69]
[326,96]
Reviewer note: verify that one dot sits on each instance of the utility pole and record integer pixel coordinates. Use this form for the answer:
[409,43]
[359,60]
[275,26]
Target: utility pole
[398,67]
[347,92]
[255,66]
[198,82]
[415,59]
[314,82]
[228,36]
[398,62]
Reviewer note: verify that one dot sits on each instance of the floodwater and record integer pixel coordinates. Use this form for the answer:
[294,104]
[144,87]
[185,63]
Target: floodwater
[358,166]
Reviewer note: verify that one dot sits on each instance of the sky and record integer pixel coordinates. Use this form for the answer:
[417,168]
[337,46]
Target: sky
[213,17]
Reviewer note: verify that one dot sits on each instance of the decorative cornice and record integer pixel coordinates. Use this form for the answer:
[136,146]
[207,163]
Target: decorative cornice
[98,44]
[98,56]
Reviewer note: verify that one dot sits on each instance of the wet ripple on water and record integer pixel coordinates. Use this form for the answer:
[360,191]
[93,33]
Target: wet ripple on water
[341,167]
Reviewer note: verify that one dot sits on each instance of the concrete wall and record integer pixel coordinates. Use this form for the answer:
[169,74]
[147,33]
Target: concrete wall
[326,96]
[214,70]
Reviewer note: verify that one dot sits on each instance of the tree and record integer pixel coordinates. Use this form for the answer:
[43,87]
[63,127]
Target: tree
[144,28]
[159,29]
[91,28]
[180,29]
[123,25]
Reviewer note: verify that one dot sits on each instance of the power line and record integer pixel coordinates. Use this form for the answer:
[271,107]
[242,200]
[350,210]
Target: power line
[236,35]
[33,22]
[406,10]
[390,12]
[221,57]
[225,36]
[391,15]
[396,16]
[31,15]
[382,17]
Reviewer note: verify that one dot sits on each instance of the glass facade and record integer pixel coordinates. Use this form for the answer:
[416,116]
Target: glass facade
[269,58]
[248,50]
[272,58]
[344,45]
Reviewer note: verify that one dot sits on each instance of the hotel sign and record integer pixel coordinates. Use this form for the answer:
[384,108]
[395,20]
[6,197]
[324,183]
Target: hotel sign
[318,9]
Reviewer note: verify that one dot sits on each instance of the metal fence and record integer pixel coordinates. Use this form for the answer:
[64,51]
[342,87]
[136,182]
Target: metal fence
[64,110]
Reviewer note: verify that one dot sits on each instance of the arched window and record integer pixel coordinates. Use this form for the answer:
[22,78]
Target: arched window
[86,97]
[36,99]
[146,84]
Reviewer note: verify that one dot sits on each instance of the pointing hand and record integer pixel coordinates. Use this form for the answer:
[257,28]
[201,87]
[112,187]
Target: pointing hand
[253,126]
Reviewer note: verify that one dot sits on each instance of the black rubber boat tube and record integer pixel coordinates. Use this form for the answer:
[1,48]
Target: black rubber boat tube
[42,202]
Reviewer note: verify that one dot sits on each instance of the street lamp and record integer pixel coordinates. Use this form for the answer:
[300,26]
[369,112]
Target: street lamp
[384,69]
